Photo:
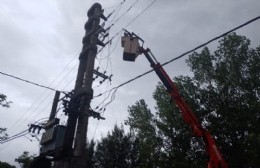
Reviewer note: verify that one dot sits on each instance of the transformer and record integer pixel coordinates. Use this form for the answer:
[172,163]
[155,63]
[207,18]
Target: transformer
[52,140]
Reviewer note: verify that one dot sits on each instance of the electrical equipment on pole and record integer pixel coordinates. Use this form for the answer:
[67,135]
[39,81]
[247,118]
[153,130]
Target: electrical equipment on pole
[52,139]
[131,50]
[66,144]
[78,105]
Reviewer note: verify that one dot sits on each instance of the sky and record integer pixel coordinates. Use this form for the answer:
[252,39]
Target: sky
[41,42]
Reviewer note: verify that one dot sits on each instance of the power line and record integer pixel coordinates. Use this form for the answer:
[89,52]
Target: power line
[27,81]
[129,23]
[180,56]
[22,133]
[120,17]
[24,115]
[52,89]
[117,4]
[140,13]
[109,41]
[214,39]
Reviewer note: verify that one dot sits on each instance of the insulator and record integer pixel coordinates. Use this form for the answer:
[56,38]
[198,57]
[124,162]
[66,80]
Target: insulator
[39,129]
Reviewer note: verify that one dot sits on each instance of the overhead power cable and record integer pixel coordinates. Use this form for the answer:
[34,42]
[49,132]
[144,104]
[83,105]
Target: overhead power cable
[180,56]
[22,133]
[214,39]
[129,23]
[27,81]
[122,15]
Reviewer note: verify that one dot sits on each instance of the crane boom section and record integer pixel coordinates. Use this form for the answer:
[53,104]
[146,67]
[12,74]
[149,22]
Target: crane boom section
[215,158]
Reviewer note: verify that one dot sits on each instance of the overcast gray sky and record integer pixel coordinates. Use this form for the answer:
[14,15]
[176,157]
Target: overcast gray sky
[41,42]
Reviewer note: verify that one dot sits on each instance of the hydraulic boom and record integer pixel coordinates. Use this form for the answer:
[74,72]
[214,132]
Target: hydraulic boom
[131,51]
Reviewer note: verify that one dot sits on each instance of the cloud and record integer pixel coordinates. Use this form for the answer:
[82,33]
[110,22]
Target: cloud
[41,42]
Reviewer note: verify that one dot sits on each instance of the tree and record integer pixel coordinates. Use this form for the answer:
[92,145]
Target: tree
[3,134]
[3,101]
[90,153]
[5,165]
[25,159]
[116,150]
[180,149]
[164,139]
[224,94]
[229,97]
[142,125]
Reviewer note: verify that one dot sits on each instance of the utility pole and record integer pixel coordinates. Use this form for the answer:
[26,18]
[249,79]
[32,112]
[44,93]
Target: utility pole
[89,52]
[79,110]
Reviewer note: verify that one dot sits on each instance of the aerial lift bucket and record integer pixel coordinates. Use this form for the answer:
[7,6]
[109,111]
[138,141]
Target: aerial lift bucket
[131,46]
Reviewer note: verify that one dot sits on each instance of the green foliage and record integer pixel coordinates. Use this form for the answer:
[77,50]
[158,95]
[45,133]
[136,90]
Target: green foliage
[3,134]
[5,165]
[224,94]
[3,101]
[229,97]
[116,150]
[25,159]
[180,149]
[141,122]
[90,153]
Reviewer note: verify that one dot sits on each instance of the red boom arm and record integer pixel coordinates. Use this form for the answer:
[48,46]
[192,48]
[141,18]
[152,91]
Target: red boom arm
[215,157]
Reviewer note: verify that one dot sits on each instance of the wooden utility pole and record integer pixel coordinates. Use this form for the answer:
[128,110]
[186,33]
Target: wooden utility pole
[77,125]
[89,52]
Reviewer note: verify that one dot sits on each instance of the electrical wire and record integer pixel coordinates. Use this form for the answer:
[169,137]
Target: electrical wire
[117,10]
[115,21]
[113,90]
[46,87]
[142,12]
[213,39]
[27,81]
[182,55]
[95,130]
[22,133]
[26,115]
[122,15]
[24,80]
[128,24]
[117,4]
[118,33]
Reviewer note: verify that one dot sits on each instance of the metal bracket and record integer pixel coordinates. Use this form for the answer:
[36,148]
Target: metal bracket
[102,75]
[95,115]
